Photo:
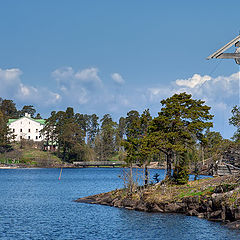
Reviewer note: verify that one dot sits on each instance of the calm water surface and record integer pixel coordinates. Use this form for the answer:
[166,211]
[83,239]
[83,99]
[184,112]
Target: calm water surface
[34,204]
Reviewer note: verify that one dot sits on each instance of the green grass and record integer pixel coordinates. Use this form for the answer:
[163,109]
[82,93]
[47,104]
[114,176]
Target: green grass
[196,192]
[29,156]
[114,158]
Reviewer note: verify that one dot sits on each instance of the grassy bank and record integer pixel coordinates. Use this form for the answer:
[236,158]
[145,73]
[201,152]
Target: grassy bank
[29,156]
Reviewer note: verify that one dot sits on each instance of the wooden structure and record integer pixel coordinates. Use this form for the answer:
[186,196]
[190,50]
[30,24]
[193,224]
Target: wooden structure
[221,55]
[226,169]
[100,164]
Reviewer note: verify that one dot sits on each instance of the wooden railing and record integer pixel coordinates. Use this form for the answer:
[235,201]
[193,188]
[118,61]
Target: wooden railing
[100,164]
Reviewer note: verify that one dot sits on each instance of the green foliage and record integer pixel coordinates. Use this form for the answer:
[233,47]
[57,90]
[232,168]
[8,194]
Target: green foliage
[5,134]
[179,124]
[212,144]
[38,116]
[65,130]
[106,140]
[196,192]
[180,174]
[8,108]
[235,121]
[136,132]
[28,109]
[92,128]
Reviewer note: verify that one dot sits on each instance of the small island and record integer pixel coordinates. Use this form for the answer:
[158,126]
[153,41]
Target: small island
[216,199]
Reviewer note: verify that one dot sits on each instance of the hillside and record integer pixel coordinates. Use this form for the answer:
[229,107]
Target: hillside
[29,156]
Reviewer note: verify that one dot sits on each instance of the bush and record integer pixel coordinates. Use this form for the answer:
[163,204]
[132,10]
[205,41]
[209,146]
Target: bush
[180,175]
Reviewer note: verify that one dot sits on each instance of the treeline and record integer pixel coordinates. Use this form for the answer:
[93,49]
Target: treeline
[82,137]
[180,134]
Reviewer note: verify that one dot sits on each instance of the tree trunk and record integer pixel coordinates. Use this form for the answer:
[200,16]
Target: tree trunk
[169,164]
[145,175]
[130,180]
[202,153]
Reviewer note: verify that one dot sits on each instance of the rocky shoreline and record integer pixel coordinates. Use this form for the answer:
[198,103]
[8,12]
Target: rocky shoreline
[216,199]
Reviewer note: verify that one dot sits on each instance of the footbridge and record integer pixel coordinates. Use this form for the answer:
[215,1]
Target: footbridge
[100,164]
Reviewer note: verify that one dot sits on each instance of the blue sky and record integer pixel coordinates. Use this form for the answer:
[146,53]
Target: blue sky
[115,56]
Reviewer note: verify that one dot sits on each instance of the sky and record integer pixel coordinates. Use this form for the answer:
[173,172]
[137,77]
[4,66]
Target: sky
[113,56]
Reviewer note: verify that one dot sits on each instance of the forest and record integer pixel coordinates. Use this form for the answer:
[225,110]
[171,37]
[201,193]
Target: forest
[180,135]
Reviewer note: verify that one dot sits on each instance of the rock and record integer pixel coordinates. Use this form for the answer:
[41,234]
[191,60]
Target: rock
[216,215]
[201,215]
[217,200]
[173,208]
[128,203]
[212,206]
[237,213]
[140,206]
[234,225]
[117,203]
[192,213]
[157,208]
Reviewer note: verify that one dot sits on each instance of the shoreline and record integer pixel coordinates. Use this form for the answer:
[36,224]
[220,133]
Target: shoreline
[72,166]
[215,199]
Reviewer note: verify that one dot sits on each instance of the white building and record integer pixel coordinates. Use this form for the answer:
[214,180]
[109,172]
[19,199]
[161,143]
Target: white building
[27,128]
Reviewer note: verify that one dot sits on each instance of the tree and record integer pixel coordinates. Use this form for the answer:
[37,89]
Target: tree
[121,127]
[136,144]
[70,135]
[5,134]
[179,124]
[29,109]
[8,108]
[212,142]
[107,136]
[38,116]
[93,129]
[144,153]
[66,129]
[131,144]
[235,121]
[49,130]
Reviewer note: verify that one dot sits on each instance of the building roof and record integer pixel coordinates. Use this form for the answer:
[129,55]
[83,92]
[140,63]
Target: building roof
[41,121]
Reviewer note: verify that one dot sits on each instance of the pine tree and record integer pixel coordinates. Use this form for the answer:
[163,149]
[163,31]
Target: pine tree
[180,122]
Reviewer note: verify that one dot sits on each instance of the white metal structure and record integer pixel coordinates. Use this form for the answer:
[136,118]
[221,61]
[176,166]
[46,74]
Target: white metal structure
[220,52]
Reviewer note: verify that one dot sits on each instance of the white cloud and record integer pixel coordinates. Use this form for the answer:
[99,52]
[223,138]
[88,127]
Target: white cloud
[87,92]
[63,73]
[10,75]
[214,89]
[13,88]
[88,75]
[81,86]
[195,81]
[25,91]
[117,78]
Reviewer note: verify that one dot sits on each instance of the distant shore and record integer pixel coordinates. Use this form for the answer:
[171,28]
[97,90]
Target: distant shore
[152,165]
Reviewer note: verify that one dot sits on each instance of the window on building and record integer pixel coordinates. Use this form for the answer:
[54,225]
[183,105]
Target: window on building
[28,137]
[40,136]
[36,130]
[29,122]
[20,130]
[36,137]
[29,130]
[20,137]
[13,130]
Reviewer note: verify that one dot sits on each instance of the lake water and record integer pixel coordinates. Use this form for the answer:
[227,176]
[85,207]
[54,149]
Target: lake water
[34,204]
